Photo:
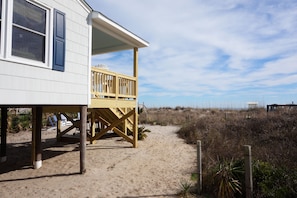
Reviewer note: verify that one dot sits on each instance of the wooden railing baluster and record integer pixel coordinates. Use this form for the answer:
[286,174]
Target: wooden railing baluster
[107,84]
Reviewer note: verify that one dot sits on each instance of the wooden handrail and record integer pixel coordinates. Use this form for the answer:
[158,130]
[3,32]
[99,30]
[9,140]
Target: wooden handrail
[107,84]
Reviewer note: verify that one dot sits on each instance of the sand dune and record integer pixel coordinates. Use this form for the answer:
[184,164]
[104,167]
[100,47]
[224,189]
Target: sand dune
[114,168]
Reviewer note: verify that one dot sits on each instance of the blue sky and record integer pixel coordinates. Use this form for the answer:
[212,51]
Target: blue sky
[209,53]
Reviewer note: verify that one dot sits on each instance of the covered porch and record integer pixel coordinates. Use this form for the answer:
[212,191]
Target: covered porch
[113,96]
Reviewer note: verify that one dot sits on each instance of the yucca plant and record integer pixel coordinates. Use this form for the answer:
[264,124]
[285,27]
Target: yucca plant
[185,189]
[226,181]
[141,132]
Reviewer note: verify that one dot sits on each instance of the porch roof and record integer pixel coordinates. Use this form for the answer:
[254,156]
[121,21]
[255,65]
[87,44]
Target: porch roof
[108,36]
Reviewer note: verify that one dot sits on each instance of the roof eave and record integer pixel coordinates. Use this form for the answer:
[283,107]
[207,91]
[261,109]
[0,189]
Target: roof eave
[110,27]
[86,6]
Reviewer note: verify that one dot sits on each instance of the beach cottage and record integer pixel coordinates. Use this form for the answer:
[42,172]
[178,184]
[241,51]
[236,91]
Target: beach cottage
[46,48]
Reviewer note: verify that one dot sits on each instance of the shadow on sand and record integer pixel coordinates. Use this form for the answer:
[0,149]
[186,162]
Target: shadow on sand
[19,154]
[38,177]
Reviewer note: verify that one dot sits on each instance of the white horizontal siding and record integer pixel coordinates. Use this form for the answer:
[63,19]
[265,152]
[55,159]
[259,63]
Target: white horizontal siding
[28,85]
[21,83]
[77,71]
[33,98]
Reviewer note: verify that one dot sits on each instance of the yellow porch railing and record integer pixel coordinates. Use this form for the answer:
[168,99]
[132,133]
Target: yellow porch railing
[107,84]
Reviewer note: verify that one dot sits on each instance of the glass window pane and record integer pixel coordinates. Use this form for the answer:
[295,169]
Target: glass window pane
[29,15]
[28,45]
[0,18]
[0,9]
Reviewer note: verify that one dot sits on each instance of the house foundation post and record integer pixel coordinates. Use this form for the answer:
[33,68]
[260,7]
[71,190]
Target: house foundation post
[59,124]
[4,124]
[36,137]
[83,137]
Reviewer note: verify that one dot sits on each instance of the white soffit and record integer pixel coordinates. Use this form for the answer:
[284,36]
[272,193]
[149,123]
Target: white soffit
[102,23]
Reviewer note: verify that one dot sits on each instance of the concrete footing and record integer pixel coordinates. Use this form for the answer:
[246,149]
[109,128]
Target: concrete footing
[37,164]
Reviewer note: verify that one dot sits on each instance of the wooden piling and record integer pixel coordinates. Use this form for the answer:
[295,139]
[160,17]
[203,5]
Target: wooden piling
[36,137]
[59,127]
[4,125]
[83,134]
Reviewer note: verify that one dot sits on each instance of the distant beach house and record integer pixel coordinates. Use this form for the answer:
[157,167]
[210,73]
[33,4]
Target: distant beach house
[45,64]
[252,105]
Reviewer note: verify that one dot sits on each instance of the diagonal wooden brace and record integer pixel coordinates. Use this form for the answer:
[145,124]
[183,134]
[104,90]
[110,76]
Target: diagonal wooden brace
[75,124]
[114,124]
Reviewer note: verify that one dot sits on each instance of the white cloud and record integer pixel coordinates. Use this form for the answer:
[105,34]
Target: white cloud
[209,47]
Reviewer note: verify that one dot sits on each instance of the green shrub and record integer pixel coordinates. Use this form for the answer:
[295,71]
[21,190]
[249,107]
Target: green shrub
[226,179]
[13,123]
[19,122]
[270,181]
[24,121]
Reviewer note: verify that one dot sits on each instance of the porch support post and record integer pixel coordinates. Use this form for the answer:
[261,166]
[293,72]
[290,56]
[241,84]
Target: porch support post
[135,128]
[36,137]
[135,117]
[83,134]
[135,72]
[4,124]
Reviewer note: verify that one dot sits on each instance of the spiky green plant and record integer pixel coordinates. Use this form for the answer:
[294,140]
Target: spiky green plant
[185,189]
[226,181]
[141,132]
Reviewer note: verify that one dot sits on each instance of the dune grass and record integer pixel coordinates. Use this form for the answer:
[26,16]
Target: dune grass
[272,135]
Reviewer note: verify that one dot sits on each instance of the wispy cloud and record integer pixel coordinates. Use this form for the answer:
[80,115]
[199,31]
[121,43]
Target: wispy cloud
[209,50]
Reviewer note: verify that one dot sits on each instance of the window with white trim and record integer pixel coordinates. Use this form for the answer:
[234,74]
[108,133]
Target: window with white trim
[28,31]
[32,33]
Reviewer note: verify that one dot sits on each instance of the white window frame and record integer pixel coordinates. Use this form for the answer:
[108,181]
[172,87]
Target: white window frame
[7,43]
[3,28]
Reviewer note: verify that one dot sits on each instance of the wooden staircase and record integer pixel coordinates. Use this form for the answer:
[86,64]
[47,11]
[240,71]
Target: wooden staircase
[106,116]
[118,120]
[102,120]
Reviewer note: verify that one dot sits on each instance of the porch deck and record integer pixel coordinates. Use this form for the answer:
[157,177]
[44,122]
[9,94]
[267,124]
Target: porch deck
[112,90]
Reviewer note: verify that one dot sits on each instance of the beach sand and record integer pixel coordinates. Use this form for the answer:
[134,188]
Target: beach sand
[114,169]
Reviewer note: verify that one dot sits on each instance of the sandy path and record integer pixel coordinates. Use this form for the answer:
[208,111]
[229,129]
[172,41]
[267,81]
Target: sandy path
[114,169]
